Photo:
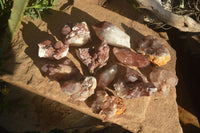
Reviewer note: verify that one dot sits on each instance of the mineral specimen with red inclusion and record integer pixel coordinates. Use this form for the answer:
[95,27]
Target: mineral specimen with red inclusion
[134,84]
[156,52]
[53,51]
[107,105]
[94,58]
[134,75]
[112,34]
[80,90]
[78,35]
[60,70]
[163,79]
[130,58]
[106,77]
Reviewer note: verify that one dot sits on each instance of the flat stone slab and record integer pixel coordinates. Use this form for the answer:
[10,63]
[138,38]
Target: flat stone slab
[154,114]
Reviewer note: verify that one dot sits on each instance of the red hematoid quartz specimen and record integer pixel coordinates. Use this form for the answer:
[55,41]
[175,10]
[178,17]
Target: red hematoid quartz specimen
[61,70]
[80,90]
[163,79]
[107,105]
[156,52]
[134,84]
[130,58]
[78,35]
[53,51]
[106,77]
[94,58]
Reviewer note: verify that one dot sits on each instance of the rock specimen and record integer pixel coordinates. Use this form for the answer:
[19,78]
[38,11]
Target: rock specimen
[156,52]
[106,77]
[60,70]
[80,91]
[112,34]
[78,35]
[163,79]
[94,58]
[133,75]
[53,51]
[130,58]
[134,84]
[107,105]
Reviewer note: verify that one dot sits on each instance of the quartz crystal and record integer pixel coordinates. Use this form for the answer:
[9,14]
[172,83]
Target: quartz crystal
[156,52]
[106,77]
[106,105]
[112,34]
[80,90]
[163,79]
[60,70]
[130,58]
[134,84]
[94,58]
[53,51]
[78,35]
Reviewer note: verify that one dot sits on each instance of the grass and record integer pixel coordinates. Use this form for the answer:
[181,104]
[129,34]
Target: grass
[190,8]
[36,7]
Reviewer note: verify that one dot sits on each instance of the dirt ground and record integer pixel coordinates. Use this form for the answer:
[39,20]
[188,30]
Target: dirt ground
[28,110]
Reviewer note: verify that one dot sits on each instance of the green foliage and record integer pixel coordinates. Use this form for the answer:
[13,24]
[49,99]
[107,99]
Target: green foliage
[134,5]
[10,16]
[35,8]
[16,15]
[5,11]
[13,21]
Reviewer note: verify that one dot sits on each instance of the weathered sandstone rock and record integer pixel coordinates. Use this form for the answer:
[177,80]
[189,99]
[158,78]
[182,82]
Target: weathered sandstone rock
[154,114]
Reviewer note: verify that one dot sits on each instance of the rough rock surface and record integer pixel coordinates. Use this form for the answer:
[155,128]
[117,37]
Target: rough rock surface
[155,114]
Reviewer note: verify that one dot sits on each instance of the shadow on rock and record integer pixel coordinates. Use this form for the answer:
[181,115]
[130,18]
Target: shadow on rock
[57,19]
[32,36]
[67,5]
[189,128]
[134,35]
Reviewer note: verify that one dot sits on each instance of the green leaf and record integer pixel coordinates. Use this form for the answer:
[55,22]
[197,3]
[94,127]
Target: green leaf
[16,15]
[17,12]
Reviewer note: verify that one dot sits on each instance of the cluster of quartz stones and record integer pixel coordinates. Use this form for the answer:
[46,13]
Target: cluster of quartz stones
[131,84]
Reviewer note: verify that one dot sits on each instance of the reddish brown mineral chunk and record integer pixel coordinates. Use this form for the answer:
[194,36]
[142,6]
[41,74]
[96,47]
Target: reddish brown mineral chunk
[80,91]
[127,90]
[94,58]
[134,75]
[53,51]
[130,58]
[163,79]
[107,105]
[134,84]
[78,35]
[156,52]
[60,70]
[66,30]
[107,76]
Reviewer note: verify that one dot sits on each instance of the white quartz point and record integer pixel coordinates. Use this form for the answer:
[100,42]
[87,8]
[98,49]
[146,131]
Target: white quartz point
[112,34]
